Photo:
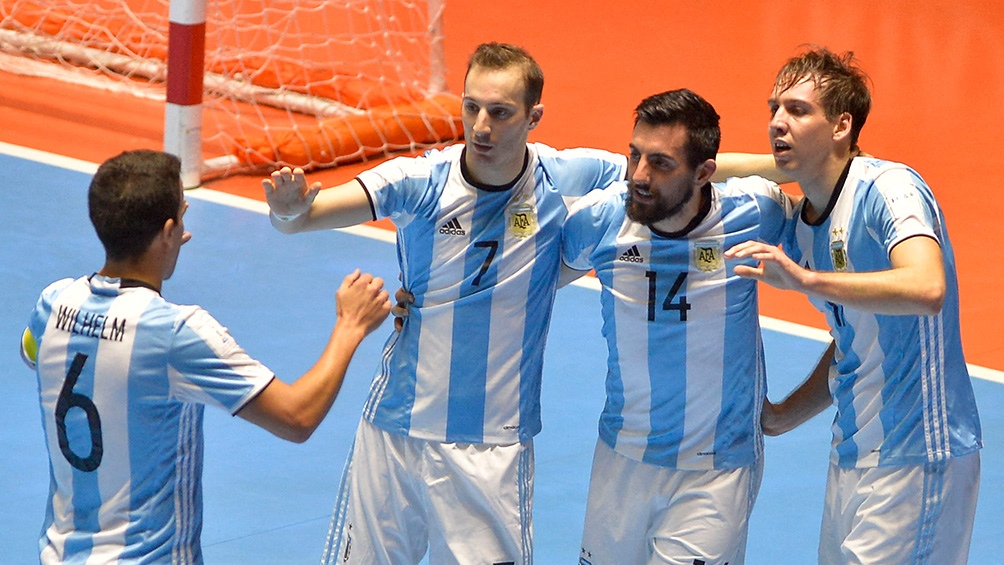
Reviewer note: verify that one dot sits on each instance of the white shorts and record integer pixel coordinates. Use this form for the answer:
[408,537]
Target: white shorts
[464,503]
[918,514]
[640,513]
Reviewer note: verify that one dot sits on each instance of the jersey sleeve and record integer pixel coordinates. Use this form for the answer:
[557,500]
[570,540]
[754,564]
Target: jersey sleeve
[901,206]
[587,222]
[207,365]
[776,210]
[401,188]
[578,171]
[33,334]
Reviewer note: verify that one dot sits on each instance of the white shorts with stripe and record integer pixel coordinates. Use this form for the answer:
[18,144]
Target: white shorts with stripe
[463,503]
[640,513]
[917,514]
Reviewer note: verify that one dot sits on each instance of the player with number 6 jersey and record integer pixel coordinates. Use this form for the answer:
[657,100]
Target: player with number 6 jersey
[124,376]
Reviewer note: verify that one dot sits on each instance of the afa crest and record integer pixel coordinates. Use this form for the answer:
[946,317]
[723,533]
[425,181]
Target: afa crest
[521,220]
[838,255]
[707,255]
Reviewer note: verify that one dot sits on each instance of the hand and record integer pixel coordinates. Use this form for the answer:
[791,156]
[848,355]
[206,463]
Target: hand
[775,268]
[401,310]
[361,301]
[287,192]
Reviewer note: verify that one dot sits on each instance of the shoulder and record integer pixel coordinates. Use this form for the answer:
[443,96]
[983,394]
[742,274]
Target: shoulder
[753,187]
[891,181]
[549,155]
[604,199]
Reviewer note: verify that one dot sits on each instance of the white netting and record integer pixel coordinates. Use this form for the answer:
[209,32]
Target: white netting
[305,82]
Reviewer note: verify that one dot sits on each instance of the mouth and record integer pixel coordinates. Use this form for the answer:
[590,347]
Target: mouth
[479,147]
[641,193]
[780,147]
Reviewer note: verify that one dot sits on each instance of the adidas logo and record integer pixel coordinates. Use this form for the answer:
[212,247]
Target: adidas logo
[631,255]
[452,227]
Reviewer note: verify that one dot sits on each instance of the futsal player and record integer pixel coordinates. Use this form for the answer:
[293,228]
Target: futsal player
[679,458]
[443,457]
[123,376]
[871,251]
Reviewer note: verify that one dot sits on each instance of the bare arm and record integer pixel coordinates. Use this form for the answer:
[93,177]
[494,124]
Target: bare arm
[809,399]
[748,164]
[293,411]
[568,275]
[915,285]
[296,206]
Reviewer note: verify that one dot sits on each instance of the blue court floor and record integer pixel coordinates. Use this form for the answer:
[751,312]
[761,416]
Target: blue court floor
[269,502]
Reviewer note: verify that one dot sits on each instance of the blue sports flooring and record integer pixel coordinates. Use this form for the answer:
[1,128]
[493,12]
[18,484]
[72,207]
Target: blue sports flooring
[269,502]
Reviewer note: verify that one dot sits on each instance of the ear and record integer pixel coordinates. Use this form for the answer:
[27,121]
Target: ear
[167,232]
[536,113]
[842,127]
[705,171]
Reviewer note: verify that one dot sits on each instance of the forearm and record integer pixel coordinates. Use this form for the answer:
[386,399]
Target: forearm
[805,402]
[904,291]
[293,411]
[314,393]
[748,164]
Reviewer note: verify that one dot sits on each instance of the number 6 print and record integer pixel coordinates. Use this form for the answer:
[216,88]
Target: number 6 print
[69,399]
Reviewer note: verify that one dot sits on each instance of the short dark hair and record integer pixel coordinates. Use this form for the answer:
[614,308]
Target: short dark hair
[130,198]
[688,109]
[842,84]
[501,56]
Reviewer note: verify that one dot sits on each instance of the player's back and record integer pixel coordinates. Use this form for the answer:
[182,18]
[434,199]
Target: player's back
[125,458]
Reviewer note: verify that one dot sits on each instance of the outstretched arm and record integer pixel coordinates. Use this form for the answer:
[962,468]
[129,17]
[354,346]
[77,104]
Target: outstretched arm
[296,206]
[293,411]
[809,399]
[915,285]
[747,164]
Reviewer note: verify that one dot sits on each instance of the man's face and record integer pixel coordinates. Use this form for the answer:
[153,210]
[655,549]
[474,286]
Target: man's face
[800,134]
[660,182]
[496,123]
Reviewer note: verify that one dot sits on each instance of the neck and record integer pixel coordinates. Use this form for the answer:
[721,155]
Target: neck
[688,216]
[818,188]
[134,269]
[495,173]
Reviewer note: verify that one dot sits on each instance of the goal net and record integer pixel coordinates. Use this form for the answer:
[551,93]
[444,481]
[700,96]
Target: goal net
[309,83]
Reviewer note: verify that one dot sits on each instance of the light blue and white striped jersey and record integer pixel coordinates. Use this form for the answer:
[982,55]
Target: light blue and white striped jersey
[122,378]
[685,371]
[483,266]
[902,389]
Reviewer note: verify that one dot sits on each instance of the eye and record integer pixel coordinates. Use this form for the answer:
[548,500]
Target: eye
[470,108]
[500,113]
[634,156]
[662,164]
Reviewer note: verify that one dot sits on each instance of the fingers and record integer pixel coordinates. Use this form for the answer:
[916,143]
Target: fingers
[744,249]
[748,272]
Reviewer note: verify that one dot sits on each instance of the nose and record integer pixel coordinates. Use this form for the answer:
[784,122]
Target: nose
[640,173]
[778,124]
[482,123]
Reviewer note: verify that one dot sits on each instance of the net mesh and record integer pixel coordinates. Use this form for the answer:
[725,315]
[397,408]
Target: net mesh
[310,83]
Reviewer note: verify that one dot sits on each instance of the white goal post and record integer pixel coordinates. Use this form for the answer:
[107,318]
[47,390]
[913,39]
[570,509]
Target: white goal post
[249,84]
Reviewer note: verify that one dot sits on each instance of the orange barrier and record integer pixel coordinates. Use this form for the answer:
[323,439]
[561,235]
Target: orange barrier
[433,120]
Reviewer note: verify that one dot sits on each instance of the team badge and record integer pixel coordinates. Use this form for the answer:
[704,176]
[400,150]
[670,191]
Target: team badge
[521,219]
[838,255]
[707,255]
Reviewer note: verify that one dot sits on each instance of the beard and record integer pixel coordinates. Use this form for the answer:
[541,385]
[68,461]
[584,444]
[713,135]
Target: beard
[652,212]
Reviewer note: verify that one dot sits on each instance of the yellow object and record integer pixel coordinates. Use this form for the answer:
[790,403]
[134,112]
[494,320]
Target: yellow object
[29,348]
